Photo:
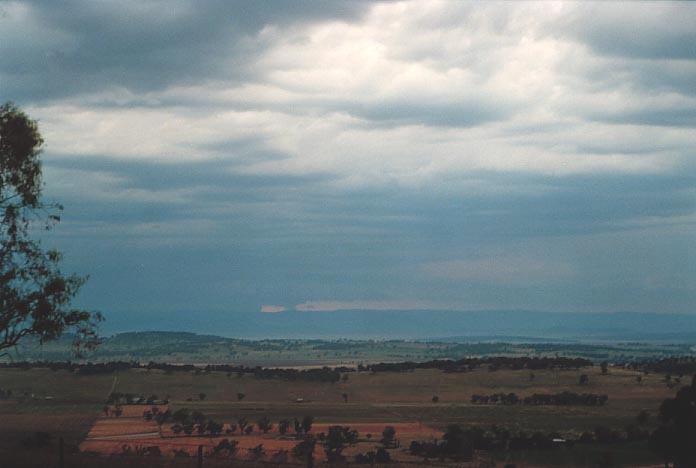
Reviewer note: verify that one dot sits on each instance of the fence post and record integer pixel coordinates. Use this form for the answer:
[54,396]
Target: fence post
[61,456]
[200,456]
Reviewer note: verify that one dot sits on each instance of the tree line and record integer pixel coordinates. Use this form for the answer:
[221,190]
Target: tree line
[324,374]
[542,399]
[681,365]
[494,363]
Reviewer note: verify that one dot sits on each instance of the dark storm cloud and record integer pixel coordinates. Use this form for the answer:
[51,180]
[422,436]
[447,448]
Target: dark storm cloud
[85,47]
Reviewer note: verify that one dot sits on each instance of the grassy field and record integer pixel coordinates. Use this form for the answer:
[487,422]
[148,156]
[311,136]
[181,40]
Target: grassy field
[74,403]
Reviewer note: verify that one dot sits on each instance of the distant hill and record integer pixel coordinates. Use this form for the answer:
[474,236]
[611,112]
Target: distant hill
[182,347]
[537,326]
[318,338]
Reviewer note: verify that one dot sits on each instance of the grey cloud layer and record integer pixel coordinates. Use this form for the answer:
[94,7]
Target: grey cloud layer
[219,155]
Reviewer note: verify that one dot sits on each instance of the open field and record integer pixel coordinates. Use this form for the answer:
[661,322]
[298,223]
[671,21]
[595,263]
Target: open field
[73,409]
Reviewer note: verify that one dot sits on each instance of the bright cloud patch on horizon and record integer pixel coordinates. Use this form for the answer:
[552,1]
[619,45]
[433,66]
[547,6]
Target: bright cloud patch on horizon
[368,155]
[272,309]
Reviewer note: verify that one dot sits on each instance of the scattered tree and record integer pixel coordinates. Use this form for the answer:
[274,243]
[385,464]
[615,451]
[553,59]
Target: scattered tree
[264,424]
[389,436]
[242,423]
[305,450]
[283,426]
[213,428]
[280,457]
[336,440]
[182,416]
[456,444]
[198,417]
[257,452]
[307,422]
[225,448]
[162,417]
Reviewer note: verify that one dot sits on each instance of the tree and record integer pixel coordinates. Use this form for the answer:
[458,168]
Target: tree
[388,436]
[225,448]
[257,452]
[305,450]
[307,422]
[336,441]
[280,457]
[213,428]
[35,296]
[457,444]
[162,417]
[283,426]
[382,456]
[182,416]
[198,417]
[674,439]
[264,424]
[242,423]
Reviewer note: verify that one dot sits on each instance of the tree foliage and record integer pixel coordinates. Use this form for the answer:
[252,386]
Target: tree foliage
[35,296]
[674,439]
[336,441]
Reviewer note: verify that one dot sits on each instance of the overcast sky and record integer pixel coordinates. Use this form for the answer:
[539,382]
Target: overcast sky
[261,156]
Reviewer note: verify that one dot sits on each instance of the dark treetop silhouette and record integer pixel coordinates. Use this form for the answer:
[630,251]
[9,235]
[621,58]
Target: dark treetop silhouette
[35,295]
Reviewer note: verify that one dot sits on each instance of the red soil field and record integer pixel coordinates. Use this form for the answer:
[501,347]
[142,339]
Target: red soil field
[110,434]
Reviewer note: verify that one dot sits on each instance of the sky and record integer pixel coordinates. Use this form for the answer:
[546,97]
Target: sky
[318,156]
